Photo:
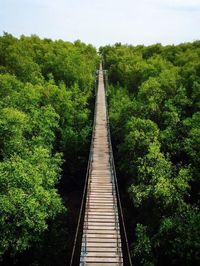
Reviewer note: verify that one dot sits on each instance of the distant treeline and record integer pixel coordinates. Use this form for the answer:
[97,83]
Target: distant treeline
[154,109]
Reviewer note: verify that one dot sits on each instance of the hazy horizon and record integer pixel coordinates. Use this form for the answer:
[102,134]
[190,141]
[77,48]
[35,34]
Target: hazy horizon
[101,22]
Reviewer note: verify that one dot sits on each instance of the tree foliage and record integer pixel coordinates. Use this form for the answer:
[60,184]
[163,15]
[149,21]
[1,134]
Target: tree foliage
[154,114]
[45,90]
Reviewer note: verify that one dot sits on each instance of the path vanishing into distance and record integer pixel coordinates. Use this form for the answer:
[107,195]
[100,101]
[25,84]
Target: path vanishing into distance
[101,241]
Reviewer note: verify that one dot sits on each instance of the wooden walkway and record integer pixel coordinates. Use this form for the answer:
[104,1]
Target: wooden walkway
[101,241]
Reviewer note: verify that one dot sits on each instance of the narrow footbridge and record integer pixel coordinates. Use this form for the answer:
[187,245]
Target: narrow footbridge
[101,238]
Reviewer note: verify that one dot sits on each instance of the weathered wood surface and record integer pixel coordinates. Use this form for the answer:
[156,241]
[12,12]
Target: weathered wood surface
[101,242]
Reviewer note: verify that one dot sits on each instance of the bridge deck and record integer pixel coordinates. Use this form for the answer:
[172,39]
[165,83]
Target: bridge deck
[101,242]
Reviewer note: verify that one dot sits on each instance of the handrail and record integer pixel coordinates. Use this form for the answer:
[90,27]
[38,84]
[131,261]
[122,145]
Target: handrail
[112,172]
[115,176]
[90,168]
[84,199]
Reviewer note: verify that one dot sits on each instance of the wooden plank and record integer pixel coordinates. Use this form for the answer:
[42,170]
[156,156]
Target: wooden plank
[100,220]
[101,264]
[110,215]
[100,227]
[96,223]
[102,240]
[102,210]
[93,259]
[102,194]
[102,207]
[103,231]
[98,189]
[102,254]
[101,244]
[98,235]
[100,249]
[100,199]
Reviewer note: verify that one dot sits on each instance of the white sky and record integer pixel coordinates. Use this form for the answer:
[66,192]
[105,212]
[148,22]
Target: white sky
[103,22]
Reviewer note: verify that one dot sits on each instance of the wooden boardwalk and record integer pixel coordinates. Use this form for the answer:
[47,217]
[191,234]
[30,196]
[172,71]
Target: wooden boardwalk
[101,241]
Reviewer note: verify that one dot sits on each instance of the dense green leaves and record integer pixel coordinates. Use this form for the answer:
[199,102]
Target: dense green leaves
[45,90]
[28,197]
[154,113]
